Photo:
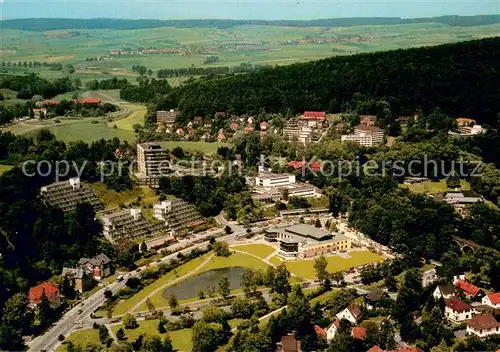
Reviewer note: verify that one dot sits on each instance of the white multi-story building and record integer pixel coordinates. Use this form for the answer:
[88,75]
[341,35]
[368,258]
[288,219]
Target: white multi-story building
[368,136]
[152,159]
[177,215]
[66,195]
[129,225]
[269,179]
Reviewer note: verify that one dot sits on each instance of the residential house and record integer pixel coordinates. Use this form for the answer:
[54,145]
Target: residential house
[469,290]
[375,349]
[457,310]
[221,137]
[48,289]
[234,126]
[462,198]
[368,136]
[492,300]
[79,278]
[373,297]
[299,164]
[39,113]
[264,125]
[444,291]
[429,277]
[250,120]
[313,118]
[332,329]
[180,132]
[248,129]
[351,313]
[483,325]
[99,266]
[358,333]
[288,343]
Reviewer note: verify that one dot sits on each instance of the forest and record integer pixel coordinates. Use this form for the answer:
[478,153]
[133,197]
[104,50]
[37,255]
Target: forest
[29,85]
[47,24]
[461,79]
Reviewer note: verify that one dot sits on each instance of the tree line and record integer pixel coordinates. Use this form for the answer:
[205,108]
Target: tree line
[27,86]
[459,78]
[207,71]
[32,64]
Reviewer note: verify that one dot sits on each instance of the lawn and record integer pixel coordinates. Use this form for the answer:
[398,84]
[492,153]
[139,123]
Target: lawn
[204,147]
[136,116]
[82,338]
[126,306]
[181,339]
[236,259]
[260,250]
[5,168]
[305,268]
[434,187]
[111,198]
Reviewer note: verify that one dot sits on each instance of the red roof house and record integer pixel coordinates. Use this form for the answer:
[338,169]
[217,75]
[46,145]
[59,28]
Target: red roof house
[90,101]
[375,349]
[469,289]
[492,300]
[314,115]
[51,292]
[248,129]
[233,126]
[51,102]
[264,125]
[457,305]
[358,333]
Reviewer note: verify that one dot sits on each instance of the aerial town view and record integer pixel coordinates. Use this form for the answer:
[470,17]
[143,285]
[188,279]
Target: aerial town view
[249,176]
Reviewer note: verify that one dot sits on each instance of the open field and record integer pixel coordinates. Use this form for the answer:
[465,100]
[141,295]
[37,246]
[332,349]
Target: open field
[81,338]
[4,168]
[136,114]
[434,187]
[255,44]
[204,147]
[181,339]
[260,250]
[305,268]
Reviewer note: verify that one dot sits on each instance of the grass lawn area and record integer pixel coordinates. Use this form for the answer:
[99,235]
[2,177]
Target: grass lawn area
[5,168]
[111,199]
[234,323]
[236,259]
[125,306]
[260,250]
[321,298]
[136,116]
[275,260]
[434,187]
[305,268]
[181,339]
[82,338]
[204,147]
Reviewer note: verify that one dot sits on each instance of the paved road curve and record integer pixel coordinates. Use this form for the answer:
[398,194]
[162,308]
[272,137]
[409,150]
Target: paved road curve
[49,340]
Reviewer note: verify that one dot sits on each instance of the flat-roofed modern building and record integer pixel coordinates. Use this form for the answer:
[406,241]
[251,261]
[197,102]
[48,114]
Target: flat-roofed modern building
[270,179]
[178,215]
[368,136]
[270,187]
[129,225]
[306,241]
[66,195]
[152,159]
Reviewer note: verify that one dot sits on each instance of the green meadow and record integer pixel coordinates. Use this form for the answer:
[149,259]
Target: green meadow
[271,45]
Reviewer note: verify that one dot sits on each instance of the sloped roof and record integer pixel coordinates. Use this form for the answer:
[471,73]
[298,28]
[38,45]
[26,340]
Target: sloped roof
[36,292]
[354,309]
[457,305]
[483,321]
[358,333]
[289,343]
[319,115]
[375,294]
[467,287]
[96,261]
[494,297]
[446,289]
[319,331]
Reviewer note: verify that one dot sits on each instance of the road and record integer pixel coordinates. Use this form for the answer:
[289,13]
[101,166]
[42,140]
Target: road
[65,326]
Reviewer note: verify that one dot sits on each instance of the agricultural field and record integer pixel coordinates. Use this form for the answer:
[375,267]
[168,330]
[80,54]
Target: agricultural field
[200,146]
[305,268]
[255,44]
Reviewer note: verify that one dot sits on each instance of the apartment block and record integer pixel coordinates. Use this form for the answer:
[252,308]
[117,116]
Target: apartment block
[152,158]
[303,134]
[68,194]
[129,225]
[178,215]
[270,187]
[368,136]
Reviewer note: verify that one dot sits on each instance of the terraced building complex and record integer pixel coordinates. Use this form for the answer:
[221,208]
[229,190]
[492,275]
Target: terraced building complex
[66,195]
[130,225]
[178,215]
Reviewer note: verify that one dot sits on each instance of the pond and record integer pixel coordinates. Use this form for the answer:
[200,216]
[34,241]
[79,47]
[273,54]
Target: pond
[190,287]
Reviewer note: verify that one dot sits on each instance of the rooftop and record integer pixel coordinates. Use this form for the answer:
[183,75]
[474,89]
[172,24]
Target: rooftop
[467,287]
[457,305]
[483,321]
[368,128]
[35,294]
[308,231]
[494,297]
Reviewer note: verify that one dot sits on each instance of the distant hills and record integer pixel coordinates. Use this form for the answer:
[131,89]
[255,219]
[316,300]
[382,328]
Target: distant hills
[46,24]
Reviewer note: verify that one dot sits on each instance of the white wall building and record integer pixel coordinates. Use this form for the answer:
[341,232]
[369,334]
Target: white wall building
[351,313]
[368,136]
[483,325]
[457,310]
[492,300]
[269,179]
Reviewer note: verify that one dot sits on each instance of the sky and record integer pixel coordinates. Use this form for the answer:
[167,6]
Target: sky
[237,9]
